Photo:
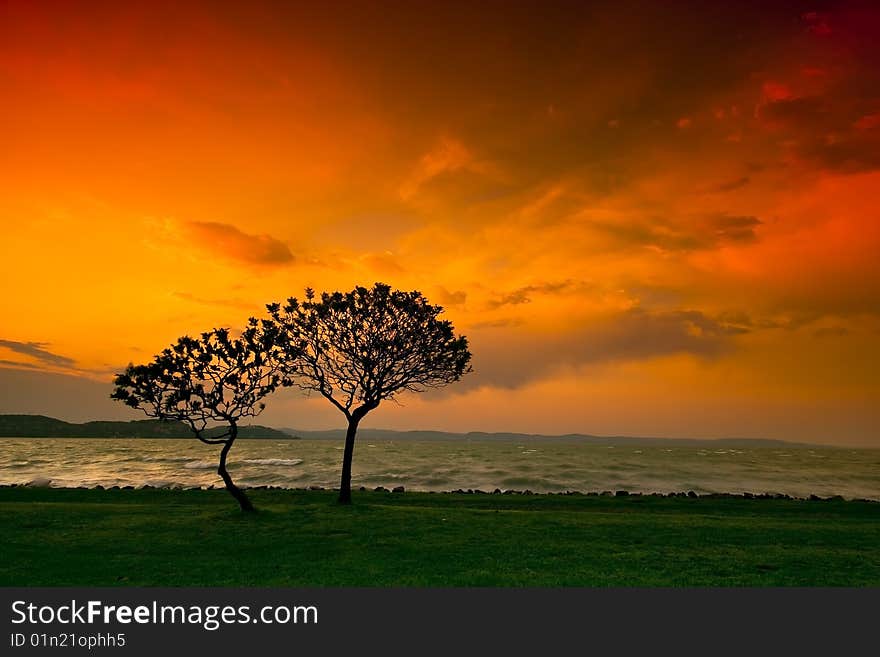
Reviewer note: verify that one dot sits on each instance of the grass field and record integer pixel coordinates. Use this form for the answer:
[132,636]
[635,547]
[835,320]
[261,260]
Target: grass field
[298,538]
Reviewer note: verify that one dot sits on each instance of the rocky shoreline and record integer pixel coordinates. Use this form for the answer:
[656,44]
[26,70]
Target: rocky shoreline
[397,490]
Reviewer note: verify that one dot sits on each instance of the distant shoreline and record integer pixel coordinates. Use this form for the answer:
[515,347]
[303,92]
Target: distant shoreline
[41,426]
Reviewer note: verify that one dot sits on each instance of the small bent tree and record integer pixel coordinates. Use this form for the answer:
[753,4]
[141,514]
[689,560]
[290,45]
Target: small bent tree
[361,347]
[208,380]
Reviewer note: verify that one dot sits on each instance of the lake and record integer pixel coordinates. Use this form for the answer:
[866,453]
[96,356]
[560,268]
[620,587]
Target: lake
[545,465]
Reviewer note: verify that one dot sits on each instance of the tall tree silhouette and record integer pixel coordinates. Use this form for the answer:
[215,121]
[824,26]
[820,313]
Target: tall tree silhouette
[211,379]
[361,347]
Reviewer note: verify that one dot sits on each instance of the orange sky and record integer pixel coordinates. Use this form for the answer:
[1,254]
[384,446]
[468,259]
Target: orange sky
[648,219]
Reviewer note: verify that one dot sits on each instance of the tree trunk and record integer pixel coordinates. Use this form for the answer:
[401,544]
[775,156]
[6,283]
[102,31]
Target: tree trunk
[234,490]
[345,484]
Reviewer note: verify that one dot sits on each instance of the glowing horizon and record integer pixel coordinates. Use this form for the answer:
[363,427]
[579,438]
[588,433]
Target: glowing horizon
[658,222]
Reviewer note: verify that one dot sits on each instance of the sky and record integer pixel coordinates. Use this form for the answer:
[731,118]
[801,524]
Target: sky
[648,218]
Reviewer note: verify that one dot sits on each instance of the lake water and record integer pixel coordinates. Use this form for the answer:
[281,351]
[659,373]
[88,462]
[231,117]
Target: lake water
[547,465]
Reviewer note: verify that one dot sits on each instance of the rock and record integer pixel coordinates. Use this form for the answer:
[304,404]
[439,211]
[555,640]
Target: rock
[40,482]
[621,493]
[815,498]
[316,488]
[398,489]
[380,489]
[691,493]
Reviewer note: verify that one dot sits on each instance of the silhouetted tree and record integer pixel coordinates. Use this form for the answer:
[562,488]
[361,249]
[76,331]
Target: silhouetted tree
[206,380]
[361,347]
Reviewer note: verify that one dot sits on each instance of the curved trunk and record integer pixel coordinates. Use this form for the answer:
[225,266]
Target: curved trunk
[345,483]
[234,490]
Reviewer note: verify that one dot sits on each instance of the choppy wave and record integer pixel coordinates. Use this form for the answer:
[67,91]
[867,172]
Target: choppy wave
[200,465]
[541,467]
[166,459]
[273,461]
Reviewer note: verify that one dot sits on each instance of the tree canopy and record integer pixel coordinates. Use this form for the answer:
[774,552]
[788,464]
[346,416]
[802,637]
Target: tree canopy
[361,347]
[214,378]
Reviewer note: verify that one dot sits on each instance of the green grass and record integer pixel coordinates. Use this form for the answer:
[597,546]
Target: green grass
[158,538]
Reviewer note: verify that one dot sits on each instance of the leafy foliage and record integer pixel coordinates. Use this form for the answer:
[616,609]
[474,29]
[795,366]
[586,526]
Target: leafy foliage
[358,348]
[213,378]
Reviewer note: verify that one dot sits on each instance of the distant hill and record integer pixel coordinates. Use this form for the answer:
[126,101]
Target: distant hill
[387,434]
[40,426]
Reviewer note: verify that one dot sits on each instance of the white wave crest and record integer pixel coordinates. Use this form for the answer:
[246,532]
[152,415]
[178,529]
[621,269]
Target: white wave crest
[272,461]
[168,459]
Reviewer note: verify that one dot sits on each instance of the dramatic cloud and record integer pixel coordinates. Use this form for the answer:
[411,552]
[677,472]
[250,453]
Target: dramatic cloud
[231,242]
[637,334]
[846,154]
[382,264]
[732,185]
[565,182]
[451,176]
[449,155]
[794,112]
[524,294]
[727,228]
[65,397]
[36,350]
[446,298]
[700,232]
[17,364]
